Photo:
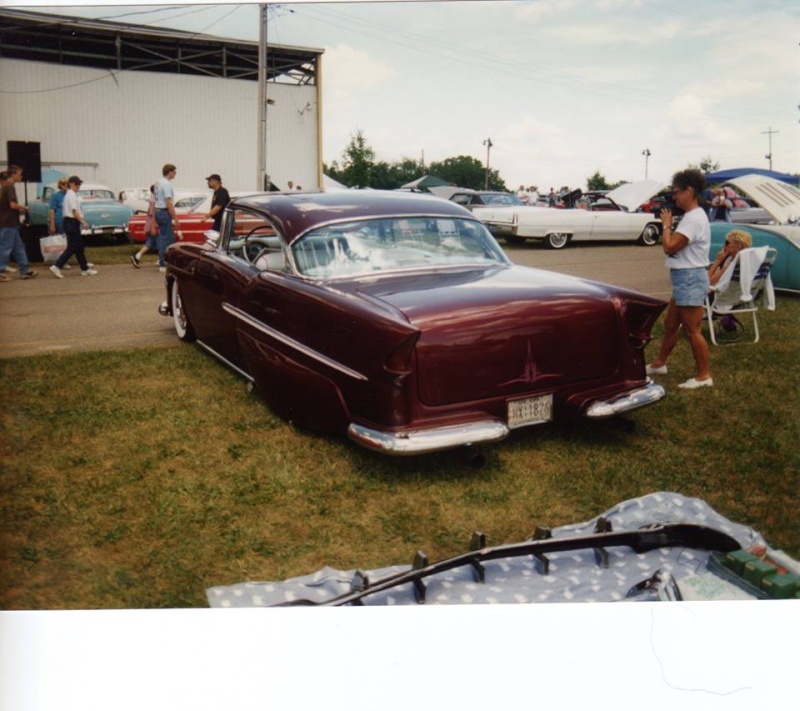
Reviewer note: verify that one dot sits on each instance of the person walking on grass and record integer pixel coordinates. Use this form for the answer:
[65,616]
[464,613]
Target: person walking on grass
[10,240]
[687,250]
[73,221]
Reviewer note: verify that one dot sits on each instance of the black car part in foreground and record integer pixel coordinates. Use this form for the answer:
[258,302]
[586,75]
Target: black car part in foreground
[684,535]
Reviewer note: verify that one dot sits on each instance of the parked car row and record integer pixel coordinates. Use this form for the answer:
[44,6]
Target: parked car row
[601,216]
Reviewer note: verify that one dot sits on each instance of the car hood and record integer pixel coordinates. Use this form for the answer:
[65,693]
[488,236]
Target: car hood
[631,195]
[779,199]
[514,330]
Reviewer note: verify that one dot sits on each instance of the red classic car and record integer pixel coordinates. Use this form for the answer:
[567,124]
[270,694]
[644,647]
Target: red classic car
[191,209]
[399,320]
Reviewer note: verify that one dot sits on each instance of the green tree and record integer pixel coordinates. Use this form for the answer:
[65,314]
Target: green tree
[597,182]
[707,165]
[357,162]
[466,172]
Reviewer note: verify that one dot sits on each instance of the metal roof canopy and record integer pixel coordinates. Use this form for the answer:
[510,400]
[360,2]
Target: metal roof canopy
[119,46]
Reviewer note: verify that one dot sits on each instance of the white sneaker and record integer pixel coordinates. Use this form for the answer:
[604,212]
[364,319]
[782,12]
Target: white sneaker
[10,269]
[162,269]
[694,383]
[88,272]
[56,272]
[655,369]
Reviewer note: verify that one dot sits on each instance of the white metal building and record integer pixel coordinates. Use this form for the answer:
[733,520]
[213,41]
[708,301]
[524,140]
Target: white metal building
[113,102]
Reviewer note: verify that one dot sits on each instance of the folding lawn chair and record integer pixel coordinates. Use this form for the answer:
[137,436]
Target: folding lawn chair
[743,284]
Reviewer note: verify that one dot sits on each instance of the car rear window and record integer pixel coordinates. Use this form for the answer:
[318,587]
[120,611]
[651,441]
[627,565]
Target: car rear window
[391,244]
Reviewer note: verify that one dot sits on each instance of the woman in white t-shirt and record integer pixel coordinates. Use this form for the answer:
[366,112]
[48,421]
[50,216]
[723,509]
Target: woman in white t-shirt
[687,250]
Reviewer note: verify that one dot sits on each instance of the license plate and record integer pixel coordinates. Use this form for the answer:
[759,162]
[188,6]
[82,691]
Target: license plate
[530,411]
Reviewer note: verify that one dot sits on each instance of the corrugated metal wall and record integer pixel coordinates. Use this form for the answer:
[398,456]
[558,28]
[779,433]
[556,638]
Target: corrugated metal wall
[120,129]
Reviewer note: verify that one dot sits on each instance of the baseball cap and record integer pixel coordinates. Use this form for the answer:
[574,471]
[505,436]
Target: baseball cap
[214,176]
[74,179]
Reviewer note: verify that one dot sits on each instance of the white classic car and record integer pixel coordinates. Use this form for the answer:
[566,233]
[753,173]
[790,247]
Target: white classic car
[607,217]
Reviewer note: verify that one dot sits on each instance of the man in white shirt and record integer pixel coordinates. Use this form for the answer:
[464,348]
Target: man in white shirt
[687,251]
[522,194]
[73,221]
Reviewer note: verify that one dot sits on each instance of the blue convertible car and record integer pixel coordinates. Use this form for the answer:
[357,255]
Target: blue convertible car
[782,201]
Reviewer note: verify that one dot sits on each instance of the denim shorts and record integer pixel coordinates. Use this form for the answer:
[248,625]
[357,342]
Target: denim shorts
[689,286]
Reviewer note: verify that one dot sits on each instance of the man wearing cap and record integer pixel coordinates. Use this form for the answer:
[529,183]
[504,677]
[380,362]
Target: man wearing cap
[218,202]
[166,217]
[73,221]
[10,240]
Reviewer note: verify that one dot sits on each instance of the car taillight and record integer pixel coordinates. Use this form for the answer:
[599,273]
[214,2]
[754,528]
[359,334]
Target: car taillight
[398,361]
[640,318]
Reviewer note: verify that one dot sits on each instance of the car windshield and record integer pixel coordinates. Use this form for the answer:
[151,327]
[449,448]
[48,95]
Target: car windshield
[391,244]
[96,194]
[501,199]
[189,202]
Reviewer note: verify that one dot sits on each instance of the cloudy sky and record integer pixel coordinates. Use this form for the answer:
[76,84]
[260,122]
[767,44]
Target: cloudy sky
[562,88]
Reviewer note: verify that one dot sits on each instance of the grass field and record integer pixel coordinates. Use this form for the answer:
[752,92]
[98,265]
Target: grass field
[140,478]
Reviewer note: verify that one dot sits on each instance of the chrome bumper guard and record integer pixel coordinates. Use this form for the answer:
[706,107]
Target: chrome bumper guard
[426,441]
[647,395]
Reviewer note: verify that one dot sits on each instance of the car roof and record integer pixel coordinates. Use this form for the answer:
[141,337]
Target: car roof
[296,213]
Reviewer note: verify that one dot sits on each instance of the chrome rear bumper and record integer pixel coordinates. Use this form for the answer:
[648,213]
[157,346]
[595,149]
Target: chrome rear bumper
[426,441]
[647,395]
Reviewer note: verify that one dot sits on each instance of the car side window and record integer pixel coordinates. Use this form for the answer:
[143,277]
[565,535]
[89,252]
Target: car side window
[48,192]
[252,238]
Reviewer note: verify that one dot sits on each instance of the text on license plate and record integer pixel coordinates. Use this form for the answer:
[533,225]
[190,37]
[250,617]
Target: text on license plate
[530,411]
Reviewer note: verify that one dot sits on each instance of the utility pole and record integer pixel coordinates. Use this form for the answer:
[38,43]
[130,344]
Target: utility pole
[769,155]
[646,153]
[488,143]
[261,168]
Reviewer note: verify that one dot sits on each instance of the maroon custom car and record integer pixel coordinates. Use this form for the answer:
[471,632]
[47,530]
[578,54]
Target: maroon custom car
[398,319]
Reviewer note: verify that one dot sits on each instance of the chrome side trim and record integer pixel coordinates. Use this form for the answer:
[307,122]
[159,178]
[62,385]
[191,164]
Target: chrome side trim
[292,343]
[235,368]
[646,395]
[425,441]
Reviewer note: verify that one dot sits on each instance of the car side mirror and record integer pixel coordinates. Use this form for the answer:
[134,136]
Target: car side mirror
[212,237]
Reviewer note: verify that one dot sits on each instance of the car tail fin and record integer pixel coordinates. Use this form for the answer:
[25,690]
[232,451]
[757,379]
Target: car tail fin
[398,361]
[640,317]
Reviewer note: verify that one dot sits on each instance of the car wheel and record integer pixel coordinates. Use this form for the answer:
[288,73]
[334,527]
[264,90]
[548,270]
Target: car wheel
[183,327]
[557,240]
[513,239]
[649,236]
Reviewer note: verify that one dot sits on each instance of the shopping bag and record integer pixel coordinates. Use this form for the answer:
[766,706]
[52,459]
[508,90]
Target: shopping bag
[52,247]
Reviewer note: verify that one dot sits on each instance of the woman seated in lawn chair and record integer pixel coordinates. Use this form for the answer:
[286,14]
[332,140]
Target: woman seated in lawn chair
[737,278]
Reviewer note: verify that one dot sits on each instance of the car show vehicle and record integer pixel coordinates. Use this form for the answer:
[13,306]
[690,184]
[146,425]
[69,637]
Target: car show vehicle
[398,319]
[191,208]
[782,202]
[474,198]
[137,199]
[608,217]
[106,216]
